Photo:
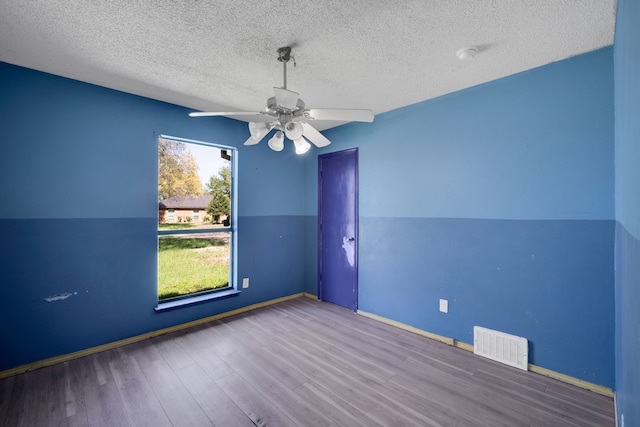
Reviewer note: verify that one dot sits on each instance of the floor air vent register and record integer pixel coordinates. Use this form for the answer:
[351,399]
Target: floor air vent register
[505,348]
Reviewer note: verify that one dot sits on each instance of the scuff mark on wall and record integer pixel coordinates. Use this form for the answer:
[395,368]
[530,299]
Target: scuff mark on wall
[60,297]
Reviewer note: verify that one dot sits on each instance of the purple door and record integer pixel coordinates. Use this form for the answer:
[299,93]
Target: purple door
[338,228]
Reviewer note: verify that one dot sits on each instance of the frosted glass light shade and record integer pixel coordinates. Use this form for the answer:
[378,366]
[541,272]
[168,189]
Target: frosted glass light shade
[302,146]
[276,143]
[293,130]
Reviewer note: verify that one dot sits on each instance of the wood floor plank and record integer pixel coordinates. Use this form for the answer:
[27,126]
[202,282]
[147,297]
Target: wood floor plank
[178,403]
[542,406]
[350,364]
[265,326]
[140,402]
[277,368]
[221,410]
[6,390]
[29,400]
[339,410]
[202,354]
[103,402]
[393,413]
[173,350]
[74,395]
[380,360]
[66,404]
[288,402]
[580,397]
[256,406]
[251,333]
[438,414]
[325,375]
[481,401]
[287,323]
[467,411]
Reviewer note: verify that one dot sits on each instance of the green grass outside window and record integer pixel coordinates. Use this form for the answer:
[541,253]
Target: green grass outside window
[188,265]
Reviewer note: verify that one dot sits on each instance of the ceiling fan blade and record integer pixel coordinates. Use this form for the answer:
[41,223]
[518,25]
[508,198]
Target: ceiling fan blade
[344,115]
[252,116]
[316,138]
[286,98]
[252,141]
[222,113]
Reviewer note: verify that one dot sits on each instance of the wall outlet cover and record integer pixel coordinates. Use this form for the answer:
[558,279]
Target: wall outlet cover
[444,305]
[245,283]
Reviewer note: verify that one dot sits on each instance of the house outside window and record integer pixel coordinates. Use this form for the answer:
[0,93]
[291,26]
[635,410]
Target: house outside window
[183,209]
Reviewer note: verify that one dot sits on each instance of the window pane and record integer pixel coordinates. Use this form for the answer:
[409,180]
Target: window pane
[194,185]
[190,263]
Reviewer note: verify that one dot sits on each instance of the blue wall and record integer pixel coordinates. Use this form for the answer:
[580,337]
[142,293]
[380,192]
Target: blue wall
[627,200]
[78,185]
[498,198]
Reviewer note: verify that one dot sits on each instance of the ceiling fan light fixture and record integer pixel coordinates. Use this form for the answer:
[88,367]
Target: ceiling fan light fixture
[301,144]
[276,143]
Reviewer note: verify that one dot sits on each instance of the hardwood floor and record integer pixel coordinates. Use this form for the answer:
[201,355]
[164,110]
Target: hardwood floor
[297,363]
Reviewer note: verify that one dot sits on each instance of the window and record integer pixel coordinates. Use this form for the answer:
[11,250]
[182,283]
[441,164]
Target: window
[196,227]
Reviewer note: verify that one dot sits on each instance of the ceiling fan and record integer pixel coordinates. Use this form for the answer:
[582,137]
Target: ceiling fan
[287,113]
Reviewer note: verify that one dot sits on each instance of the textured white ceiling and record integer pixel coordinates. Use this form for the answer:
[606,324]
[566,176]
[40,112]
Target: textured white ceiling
[221,54]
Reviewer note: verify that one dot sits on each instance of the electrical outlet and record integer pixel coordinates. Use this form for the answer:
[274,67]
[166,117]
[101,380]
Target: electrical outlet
[245,283]
[444,305]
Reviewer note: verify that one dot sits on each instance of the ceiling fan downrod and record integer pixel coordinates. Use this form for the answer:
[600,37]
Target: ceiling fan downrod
[284,56]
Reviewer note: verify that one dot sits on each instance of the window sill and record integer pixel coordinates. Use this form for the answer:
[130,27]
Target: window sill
[170,305]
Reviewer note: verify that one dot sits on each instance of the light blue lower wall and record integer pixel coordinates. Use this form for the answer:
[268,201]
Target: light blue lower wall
[271,255]
[627,325]
[107,268]
[549,281]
